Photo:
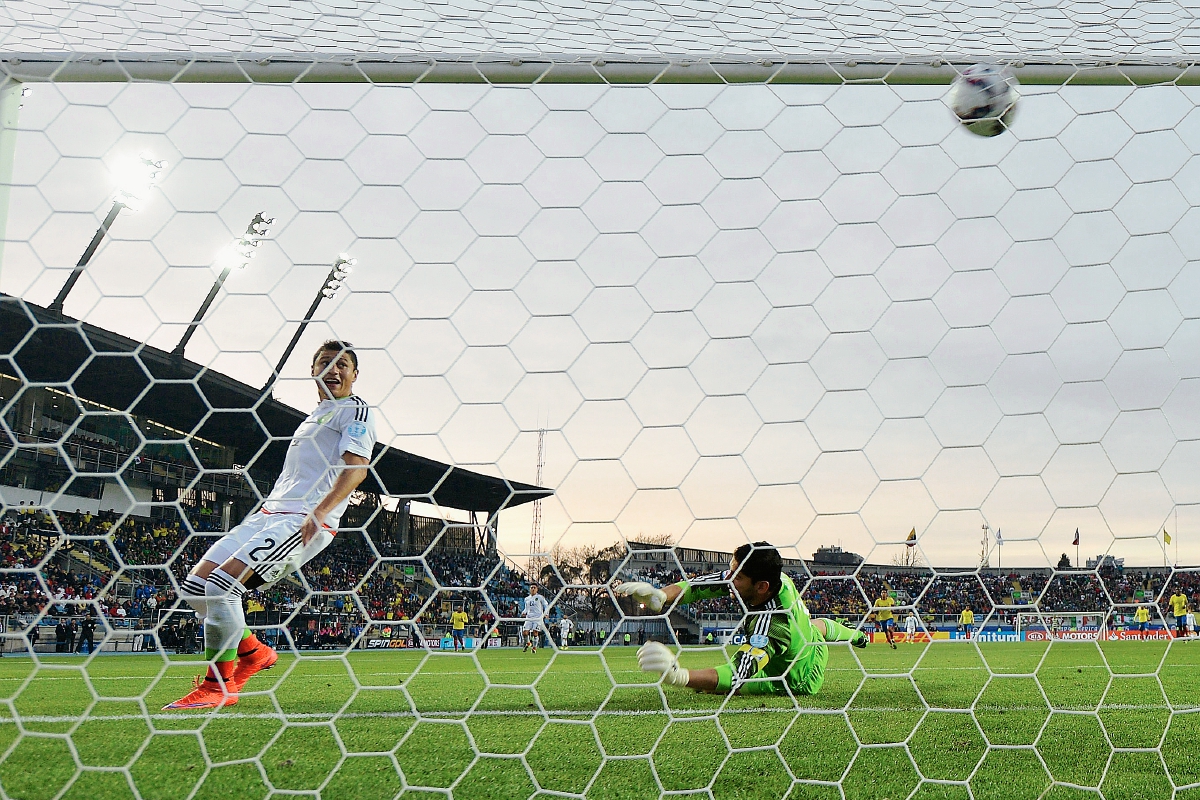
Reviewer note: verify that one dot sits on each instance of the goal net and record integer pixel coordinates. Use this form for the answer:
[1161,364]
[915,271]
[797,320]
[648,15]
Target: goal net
[629,286]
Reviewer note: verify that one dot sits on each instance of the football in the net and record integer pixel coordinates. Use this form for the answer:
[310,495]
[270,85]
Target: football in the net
[984,98]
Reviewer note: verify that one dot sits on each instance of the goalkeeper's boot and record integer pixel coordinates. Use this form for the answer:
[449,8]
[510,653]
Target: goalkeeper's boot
[207,692]
[860,640]
[254,662]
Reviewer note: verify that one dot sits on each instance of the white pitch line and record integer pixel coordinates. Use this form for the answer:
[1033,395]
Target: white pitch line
[678,713]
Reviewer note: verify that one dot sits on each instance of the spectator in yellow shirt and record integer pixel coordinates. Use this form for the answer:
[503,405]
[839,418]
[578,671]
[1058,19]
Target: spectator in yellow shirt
[458,626]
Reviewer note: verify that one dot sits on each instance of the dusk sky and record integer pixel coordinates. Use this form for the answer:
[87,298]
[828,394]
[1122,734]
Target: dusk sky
[808,314]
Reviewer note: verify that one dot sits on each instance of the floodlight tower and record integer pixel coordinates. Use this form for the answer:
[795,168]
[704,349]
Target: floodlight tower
[135,179]
[237,256]
[334,281]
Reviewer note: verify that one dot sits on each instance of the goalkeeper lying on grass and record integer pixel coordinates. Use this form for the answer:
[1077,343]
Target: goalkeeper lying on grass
[786,649]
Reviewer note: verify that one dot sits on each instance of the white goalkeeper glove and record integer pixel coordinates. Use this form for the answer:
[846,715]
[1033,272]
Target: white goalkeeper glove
[645,593]
[656,657]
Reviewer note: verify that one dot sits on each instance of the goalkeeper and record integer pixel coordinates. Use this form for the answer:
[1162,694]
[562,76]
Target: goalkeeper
[786,650]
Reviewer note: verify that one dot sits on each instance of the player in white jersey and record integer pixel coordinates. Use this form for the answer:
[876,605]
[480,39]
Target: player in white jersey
[910,628]
[564,628]
[535,612]
[326,461]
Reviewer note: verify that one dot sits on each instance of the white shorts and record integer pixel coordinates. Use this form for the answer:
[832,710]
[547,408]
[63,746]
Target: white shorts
[910,629]
[530,625]
[270,544]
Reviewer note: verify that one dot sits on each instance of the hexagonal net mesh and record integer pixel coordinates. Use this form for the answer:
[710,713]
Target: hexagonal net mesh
[952,379]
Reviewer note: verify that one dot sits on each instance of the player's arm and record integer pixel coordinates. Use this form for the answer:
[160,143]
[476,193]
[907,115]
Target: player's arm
[658,658]
[701,588]
[347,481]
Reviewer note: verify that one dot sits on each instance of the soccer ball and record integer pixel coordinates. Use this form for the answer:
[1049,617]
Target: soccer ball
[984,98]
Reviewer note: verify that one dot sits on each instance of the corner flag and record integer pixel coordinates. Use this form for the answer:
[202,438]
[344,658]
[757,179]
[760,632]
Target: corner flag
[1076,542]
[999,538]
[1166,537]
[912,538]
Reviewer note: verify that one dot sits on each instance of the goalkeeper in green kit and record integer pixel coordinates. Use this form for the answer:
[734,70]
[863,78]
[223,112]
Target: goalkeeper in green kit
[786,650]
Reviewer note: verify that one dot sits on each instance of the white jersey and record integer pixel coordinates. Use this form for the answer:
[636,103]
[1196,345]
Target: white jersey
[313,459]
[536,607]
[565,626]
[910,624]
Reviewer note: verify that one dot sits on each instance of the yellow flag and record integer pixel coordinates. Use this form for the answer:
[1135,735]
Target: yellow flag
[1166,537]
[912,538]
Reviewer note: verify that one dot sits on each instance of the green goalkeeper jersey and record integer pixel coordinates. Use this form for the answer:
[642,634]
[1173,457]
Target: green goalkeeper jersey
[783,650]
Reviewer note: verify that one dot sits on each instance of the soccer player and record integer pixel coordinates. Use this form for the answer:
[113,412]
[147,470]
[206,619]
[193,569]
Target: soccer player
[786,651]
[1191,621]
[1179,607]
[458,627]
[564,629]
[326,461]
[966,618]
[1142,618]
[910,627]
[535,611]
[887,621]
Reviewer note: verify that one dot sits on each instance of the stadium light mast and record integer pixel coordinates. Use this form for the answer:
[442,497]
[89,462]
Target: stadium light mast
[237,256]
[342,267]
[135,179]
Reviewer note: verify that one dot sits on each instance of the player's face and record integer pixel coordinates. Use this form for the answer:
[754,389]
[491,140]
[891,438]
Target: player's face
[335,374]
[752,594]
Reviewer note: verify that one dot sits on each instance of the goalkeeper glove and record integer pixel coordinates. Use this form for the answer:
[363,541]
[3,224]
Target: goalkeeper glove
[656,657]
[645,593]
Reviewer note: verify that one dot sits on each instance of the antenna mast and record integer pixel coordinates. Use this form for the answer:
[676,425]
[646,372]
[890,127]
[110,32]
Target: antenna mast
[535,536]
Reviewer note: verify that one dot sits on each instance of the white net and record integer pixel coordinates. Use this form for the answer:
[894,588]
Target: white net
[822,316]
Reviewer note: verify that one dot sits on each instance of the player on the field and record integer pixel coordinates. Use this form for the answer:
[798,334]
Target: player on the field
[1191,621]
[1179,608]
[1142,618]
[535,612]
[786,649]
[458,627]
[966,618]
[326,461]
[910,627]
[883,613]
[564,630]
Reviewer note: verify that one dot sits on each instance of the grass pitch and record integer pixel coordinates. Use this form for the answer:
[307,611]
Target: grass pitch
[1056,721]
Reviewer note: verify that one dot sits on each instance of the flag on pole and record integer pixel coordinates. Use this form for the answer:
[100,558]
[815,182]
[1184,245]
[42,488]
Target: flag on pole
[999,538]
[1076,542]
[912,538]
[1166,537]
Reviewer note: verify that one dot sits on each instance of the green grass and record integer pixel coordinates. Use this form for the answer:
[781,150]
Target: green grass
[927,721]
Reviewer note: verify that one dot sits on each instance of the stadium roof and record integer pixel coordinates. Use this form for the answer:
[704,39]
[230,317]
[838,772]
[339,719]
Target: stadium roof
[103,367]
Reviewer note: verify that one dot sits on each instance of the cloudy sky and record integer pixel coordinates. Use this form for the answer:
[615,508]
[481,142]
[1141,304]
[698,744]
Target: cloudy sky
[809,314]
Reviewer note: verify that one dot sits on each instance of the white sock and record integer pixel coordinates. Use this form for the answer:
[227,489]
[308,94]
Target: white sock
[192,591]
[226,621]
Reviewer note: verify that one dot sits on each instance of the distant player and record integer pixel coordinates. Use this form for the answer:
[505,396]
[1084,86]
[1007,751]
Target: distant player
[458,627]
[910,627]
[1179,608]
[326,461]
[1142,618]
[966,618]
[887,621]
[1191,621]
[535,612]
[786,650]
[564,631]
